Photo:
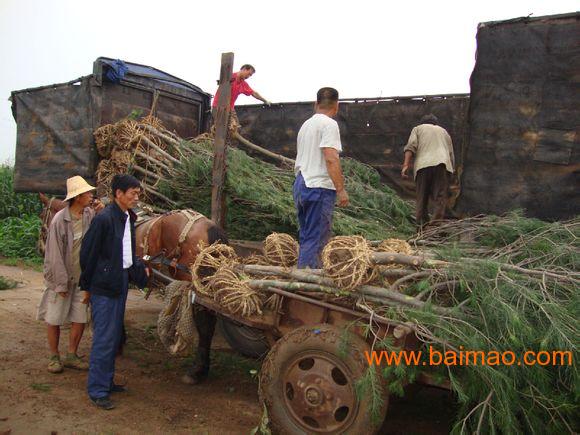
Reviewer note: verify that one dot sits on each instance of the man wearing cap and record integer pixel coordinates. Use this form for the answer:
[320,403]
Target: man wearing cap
[431,147]
[63,301]
[108,264]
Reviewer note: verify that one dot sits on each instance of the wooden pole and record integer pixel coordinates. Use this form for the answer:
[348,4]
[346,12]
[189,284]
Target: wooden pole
[222,117]
[153,160]
[253,146]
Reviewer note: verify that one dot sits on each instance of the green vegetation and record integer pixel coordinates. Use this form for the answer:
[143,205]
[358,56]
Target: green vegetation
[19,221]
[15,204]
[502,310]
[45,388]
[19,236]
[260,197]
[7,283]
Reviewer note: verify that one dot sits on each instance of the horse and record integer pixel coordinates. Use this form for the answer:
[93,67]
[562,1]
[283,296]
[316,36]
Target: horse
[50,207]
[174,236]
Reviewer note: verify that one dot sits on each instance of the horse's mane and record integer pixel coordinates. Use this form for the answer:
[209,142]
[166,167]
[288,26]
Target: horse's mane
[217,234]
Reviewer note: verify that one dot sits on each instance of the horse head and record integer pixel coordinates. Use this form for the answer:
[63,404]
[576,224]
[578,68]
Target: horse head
[50,207]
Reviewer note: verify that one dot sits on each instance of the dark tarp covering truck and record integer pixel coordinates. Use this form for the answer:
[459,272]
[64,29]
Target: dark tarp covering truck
[55,123]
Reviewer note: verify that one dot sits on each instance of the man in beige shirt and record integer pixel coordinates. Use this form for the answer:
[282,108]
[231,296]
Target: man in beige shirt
[63,301]
[431,147]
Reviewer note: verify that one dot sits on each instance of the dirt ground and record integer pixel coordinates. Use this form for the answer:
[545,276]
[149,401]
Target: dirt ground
[33,401]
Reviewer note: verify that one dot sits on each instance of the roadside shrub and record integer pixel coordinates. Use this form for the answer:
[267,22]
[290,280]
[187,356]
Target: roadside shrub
[15,204]
[18,236]
[7,283]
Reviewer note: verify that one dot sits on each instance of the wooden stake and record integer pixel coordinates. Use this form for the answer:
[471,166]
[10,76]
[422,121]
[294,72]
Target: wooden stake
[152,160]
[218,199]
[163,136]
[164,153]
[147,173]
[158,195]
[252,146]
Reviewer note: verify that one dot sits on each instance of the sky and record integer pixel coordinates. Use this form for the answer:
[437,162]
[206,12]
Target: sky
[362,48]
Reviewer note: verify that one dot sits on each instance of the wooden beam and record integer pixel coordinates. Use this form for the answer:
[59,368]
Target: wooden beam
[264,151]
[222,117]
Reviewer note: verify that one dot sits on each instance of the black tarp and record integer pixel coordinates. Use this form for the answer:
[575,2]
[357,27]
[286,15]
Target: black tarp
[373,131]
[55,123]
[524,119]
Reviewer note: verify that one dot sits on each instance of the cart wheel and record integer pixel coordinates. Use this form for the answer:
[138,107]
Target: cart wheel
[250,342]
[308,385]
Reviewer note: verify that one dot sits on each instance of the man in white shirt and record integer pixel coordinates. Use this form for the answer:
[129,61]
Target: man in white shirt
[431,147]
[319,181]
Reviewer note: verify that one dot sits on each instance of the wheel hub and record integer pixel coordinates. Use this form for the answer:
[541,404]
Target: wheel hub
[319,392]
[313,396]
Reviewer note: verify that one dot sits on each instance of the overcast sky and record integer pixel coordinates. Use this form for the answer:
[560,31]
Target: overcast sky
[363,48]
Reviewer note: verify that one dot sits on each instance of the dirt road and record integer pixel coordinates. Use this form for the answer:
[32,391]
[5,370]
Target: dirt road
[32,401]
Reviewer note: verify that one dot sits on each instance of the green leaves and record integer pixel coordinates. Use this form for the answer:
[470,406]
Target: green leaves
[15,204]
[260,200]
[18,236]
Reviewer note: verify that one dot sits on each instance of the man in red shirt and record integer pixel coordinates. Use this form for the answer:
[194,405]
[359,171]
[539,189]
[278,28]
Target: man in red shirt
[240,86]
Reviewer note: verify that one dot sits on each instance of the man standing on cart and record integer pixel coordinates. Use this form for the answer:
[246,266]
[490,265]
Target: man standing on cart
[319,180]
[239,86]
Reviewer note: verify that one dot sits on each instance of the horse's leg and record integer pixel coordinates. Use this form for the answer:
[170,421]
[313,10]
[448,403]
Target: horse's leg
[205,322]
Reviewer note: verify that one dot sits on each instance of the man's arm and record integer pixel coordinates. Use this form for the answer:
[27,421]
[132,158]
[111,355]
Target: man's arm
[450,148]
[335,172]
[54,260]
[407,163]
[90,249]
[410,150]
[259,97]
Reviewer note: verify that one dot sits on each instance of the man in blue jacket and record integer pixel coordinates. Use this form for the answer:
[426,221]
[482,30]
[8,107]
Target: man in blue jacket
[108,264]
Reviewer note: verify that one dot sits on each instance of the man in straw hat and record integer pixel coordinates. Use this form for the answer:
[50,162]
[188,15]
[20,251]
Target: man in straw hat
[63,301]
[109,263]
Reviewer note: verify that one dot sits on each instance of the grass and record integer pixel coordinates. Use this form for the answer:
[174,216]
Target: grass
[7,283]
[35,263]
[19,237]
[15,204]
[45,388]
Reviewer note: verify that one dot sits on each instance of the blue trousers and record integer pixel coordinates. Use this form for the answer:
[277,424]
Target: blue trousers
[315,207]
[108,315]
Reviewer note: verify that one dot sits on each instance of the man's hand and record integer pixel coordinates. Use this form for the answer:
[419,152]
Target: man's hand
[98,205]
[63,294]
[147,272]
[342,198]
[404,171]
[86,296]
[267,103]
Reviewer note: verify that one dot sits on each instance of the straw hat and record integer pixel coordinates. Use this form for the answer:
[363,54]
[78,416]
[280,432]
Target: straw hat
[76,186]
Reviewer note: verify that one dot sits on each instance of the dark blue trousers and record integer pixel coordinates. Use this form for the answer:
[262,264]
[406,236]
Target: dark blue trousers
[108,315]
[315,207]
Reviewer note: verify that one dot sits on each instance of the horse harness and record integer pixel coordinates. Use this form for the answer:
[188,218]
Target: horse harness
[162,258]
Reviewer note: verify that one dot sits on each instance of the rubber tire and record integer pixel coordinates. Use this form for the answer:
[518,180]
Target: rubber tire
[250,342]
[326,338]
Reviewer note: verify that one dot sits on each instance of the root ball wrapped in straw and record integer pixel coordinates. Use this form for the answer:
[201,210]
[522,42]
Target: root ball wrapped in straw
[104,139]
[348,261]
[395,245]
[255,259]
[281,249]
[209,260]
[233,293]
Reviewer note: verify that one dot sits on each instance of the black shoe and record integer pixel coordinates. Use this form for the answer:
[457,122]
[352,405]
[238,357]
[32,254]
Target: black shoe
[116,388]
[103,403]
